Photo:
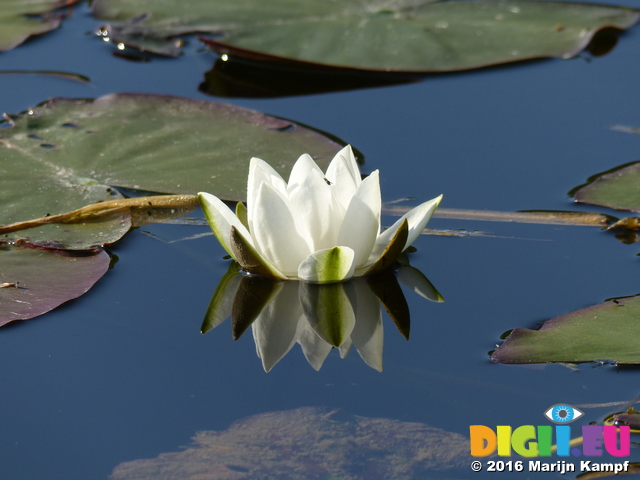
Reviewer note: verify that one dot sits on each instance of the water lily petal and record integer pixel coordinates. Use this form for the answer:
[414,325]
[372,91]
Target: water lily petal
[417,218]
[327,266]
[361,224]
[367,336]
[261,172]
[221,219]
[315,349]
[315,209]
[278,326]
[276,236]
[301,169]
[415,280]
[344,165]
[345,348]
[344,175]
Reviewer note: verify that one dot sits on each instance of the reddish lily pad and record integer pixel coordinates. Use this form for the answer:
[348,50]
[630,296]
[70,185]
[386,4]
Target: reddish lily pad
[34,281]
[609,331]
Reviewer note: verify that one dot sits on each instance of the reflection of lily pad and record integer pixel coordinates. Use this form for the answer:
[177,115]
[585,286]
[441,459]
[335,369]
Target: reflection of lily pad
[236,77]
[370,35]
[61,155]
[618,188]
[17,22]
[311,444]
[607,331]
[34,281]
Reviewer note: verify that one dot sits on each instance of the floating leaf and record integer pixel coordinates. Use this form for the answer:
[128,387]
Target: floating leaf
[607,331]
[17,22]
[76,77]
[63,154]
[370,35]
[618,188]
[311,443]
[34,280]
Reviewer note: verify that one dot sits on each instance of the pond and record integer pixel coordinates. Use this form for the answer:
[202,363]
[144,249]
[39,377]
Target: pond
[123,373]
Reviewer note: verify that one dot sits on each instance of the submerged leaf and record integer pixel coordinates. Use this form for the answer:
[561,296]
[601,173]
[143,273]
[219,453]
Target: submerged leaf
[63,154]
[311,443]
[393,36]
[607,331]
[38,280]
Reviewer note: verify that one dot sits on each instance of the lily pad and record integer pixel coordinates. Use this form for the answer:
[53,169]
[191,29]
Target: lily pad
[609,331]
[17,22]
[618,188]
[67,153]
[311,443]
[403,35]
[34,280]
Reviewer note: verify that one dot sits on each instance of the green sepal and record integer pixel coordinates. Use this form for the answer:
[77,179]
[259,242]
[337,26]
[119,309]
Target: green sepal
[241,213]
[392,252]
[253,295]
[249,258]
[329,310]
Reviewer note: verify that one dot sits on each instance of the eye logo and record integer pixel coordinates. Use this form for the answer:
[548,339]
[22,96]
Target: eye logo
[563,413]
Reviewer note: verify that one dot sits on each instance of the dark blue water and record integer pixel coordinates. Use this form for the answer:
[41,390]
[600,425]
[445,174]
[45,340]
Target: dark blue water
[123,373]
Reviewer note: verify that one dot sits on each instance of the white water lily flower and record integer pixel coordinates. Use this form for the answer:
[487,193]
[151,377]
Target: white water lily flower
[318,227]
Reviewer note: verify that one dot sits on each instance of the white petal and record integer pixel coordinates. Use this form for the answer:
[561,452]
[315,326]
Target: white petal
[315,209]
[361,224]
[367,336]
[417,218]
[344,175]
[261,172]
[327,266]
[301,169]
[264,170]
[221,218]
[345,348]
[415,280]
[276,237]
[278,326]
[344,162]
[315,349]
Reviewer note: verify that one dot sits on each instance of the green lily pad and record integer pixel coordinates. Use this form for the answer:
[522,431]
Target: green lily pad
[370,35]
[17,22]
[618,188]
[34,281]
[608,331]
[67,153]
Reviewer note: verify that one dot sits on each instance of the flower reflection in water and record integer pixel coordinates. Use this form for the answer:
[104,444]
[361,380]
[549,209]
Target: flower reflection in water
[319,317]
